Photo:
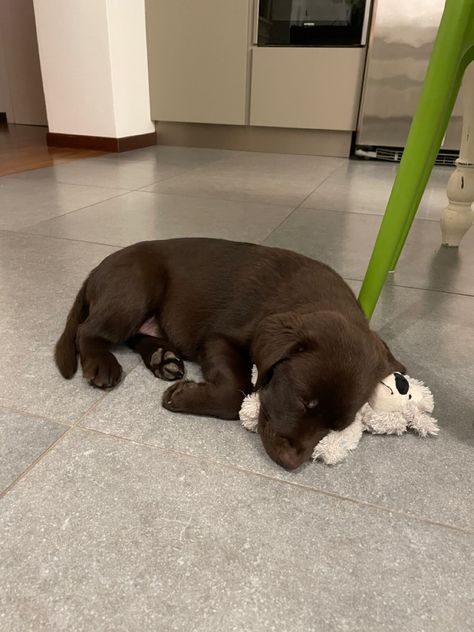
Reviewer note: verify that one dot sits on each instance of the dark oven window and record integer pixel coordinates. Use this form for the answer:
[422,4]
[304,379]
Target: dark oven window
[310,22]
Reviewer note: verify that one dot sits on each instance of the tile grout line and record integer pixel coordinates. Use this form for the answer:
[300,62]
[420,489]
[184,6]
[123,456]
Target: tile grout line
[27,413]
[82,208]
[177,175]
[137,162]
[142,190]
[316,490]
[364,213]
[103,396]
[133,189]
[53,445]
[224,199]
[77,425]
[218,199]
[319,185]
[94,405]
[76,210]
[20,174]
[298,206]
[69,427]
[412,287]
[110,245]
[57,237]
[349,160]
[33,464]
[71,184]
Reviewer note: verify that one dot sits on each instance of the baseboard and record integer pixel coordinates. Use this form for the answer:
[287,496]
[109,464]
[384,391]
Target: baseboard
[252,138]
[101,143]
[3,117]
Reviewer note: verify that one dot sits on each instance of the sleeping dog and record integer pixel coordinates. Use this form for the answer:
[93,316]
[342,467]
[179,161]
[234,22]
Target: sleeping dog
[227,305]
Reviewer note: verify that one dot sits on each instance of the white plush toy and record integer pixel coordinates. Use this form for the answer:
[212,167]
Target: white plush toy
[398,403]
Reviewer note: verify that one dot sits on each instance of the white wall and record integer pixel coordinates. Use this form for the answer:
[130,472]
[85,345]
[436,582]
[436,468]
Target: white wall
[128,55]
[94,65]
[21,88]
[5,104]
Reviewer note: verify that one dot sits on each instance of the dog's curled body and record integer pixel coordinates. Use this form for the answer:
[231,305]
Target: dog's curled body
[226,305]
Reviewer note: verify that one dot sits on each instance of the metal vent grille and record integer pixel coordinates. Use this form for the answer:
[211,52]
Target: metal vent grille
[392,154]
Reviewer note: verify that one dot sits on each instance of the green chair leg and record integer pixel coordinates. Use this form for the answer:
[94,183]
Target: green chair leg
[424,178]
[446,68]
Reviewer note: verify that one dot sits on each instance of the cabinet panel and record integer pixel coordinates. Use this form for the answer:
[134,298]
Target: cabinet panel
[312,88]
[198,60]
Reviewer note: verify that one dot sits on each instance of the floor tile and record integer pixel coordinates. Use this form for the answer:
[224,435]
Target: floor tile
[106,172]
[126,537]
[22,440]
[364,187]
[199,528]
[141,216]
[345,242]
[254,177]
[433,334]
[39,278]
[187,157]
[26,199]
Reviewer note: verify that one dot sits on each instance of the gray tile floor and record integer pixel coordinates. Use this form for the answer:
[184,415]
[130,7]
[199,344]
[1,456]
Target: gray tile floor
[117,515]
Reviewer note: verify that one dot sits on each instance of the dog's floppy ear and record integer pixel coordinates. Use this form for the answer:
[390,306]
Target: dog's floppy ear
[277,337]
[388,363]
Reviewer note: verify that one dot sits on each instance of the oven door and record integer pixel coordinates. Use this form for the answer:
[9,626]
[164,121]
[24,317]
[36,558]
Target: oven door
[312,22]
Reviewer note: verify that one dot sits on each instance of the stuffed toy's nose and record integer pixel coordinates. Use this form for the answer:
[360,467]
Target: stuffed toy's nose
[401,383]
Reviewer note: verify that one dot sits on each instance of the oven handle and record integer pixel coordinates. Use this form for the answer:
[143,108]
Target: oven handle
[365,24]
[255,22]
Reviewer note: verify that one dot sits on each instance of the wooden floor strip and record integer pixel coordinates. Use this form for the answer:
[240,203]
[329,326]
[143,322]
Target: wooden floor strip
[23,148]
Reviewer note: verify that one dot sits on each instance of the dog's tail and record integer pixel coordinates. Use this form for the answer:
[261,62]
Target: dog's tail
[65,352]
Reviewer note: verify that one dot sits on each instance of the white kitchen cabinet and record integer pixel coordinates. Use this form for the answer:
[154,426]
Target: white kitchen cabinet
[311,88]
[198,54]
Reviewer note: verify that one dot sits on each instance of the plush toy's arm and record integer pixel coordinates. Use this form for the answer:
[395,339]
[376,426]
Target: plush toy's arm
[336,445]
[421,422]
[249,412]
[376,422]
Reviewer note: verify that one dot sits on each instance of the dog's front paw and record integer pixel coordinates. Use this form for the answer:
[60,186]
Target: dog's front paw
[102,371]
[181,396]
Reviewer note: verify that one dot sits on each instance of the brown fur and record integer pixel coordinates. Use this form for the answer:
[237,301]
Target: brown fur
[225,305]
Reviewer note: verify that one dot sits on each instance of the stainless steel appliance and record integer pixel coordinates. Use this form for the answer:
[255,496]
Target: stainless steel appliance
[312,22]
[401,38]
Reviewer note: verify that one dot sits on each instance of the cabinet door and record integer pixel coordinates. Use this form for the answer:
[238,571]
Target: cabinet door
[312,88]
[198,56]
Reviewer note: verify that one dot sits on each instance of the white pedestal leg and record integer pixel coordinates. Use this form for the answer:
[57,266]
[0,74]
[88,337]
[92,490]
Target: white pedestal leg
[457,217]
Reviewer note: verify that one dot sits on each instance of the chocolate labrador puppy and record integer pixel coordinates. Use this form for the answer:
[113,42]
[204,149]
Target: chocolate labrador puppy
[227,305]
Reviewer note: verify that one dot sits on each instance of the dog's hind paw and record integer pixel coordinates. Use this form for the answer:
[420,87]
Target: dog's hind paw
[166,365]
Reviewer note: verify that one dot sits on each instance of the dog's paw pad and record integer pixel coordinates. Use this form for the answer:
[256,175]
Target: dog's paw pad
[166,365]
[157,357]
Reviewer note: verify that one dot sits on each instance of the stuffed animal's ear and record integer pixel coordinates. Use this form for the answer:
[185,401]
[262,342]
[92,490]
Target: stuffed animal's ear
[388,363]
[276,339]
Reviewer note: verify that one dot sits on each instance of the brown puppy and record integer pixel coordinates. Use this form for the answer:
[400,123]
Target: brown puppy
[227,305]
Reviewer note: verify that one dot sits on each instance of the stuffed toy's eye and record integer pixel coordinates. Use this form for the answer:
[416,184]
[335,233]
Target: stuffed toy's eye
[312,403]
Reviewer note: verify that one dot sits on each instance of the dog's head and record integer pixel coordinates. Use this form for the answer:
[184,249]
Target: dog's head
[315,371]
